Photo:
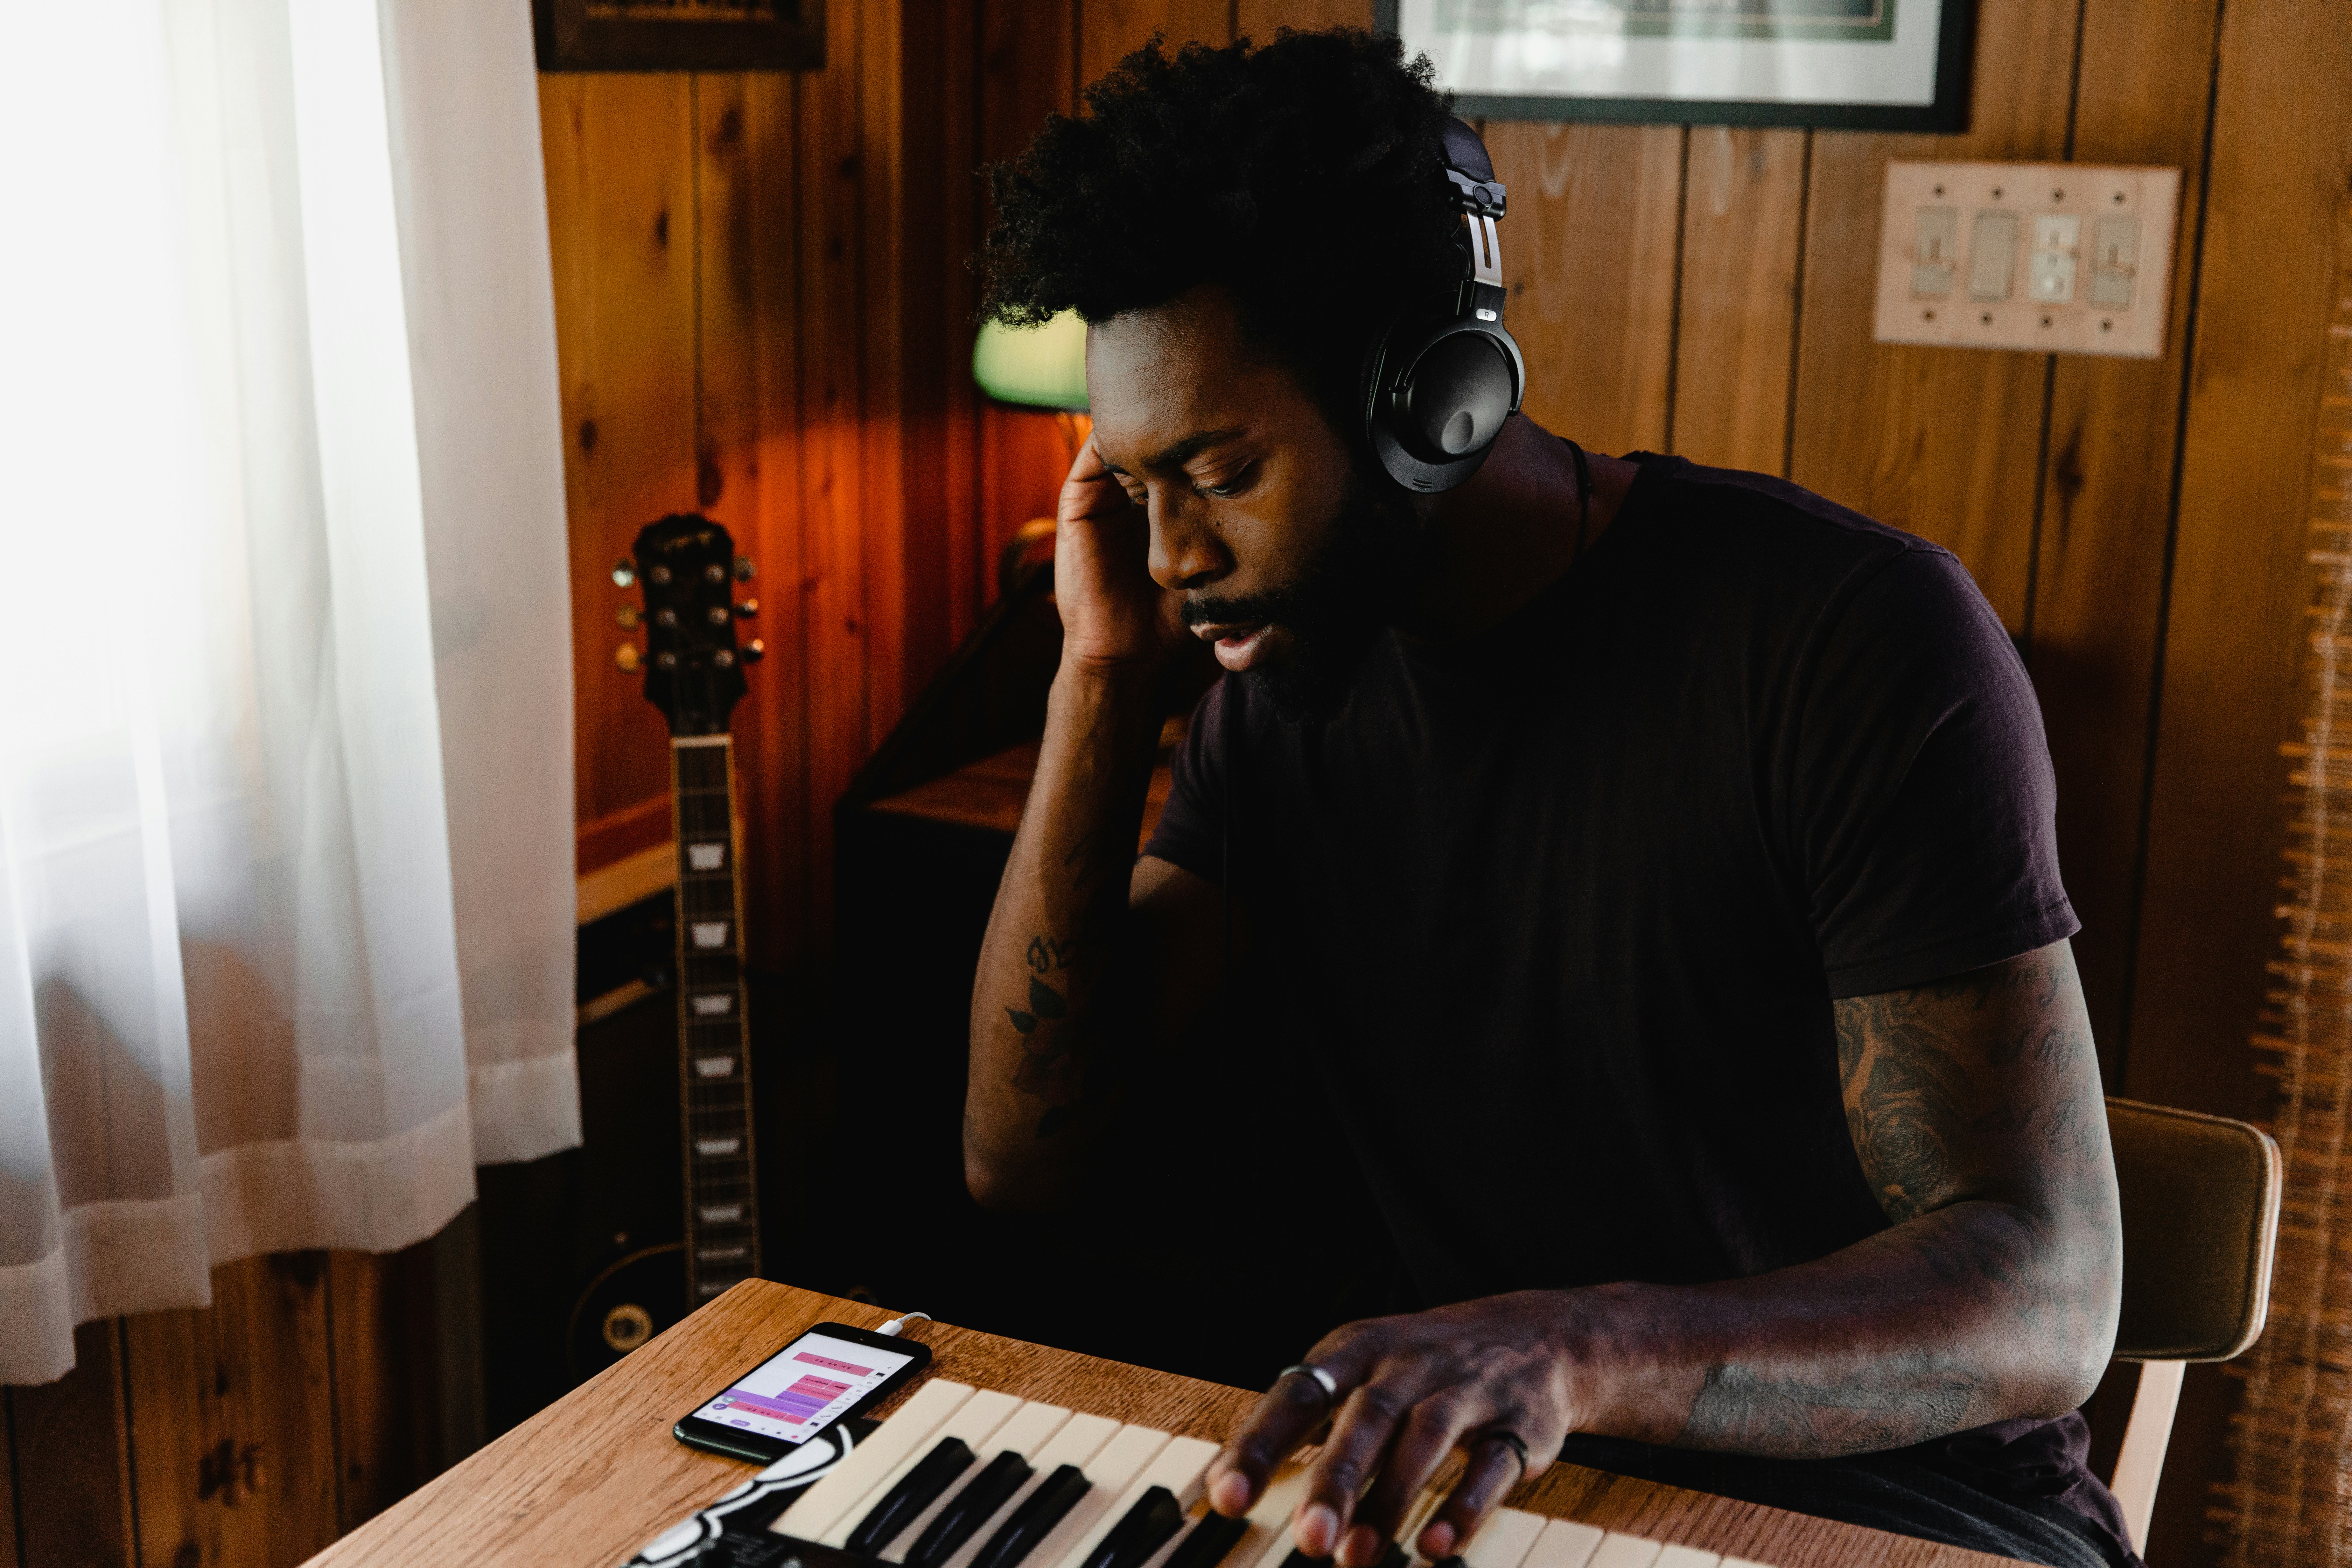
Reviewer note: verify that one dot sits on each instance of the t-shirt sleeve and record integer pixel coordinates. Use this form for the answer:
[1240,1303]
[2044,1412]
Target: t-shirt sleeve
[1924,806]
[1190,832]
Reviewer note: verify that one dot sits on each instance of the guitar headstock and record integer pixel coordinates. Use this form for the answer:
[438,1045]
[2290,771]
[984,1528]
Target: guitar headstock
[687,568]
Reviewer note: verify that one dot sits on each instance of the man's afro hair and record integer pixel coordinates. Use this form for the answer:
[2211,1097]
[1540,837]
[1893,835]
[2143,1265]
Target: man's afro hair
[1306,176]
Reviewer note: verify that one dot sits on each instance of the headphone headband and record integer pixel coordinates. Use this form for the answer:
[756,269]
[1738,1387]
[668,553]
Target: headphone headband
[1438,390]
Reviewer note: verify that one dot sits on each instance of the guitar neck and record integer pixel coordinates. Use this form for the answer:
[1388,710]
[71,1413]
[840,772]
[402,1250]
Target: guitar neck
[722,1205]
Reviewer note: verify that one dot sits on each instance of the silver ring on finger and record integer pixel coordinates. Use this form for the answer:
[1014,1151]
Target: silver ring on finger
[1322,1379]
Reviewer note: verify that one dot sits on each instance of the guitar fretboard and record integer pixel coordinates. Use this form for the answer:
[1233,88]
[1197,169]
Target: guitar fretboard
[723,1219]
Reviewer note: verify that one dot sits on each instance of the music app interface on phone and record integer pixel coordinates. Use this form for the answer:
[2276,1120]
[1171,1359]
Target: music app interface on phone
[800,1391]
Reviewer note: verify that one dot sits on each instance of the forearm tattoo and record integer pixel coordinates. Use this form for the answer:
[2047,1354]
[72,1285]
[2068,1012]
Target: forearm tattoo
[1053,1060]
[1049,1066]
[1897,1406]
[1984,1086]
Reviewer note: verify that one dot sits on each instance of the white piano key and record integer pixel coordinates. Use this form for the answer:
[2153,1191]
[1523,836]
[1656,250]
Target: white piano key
[1080,1439]
[1687,1557]
[973,1421]
[1564,1543]
[1024,1432]
[1179,1466]
[1504,1540]
[1625,1552]
[817,1509]
[1109,1473]
[1418,1516]
[1268,1541]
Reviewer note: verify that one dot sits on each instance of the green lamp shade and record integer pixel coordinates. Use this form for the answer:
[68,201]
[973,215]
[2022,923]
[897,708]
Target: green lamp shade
[1033,367]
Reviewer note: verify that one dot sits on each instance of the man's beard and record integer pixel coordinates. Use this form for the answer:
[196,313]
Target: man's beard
[1337,607]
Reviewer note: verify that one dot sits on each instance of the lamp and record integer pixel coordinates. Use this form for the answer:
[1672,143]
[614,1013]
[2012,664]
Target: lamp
[1033,367]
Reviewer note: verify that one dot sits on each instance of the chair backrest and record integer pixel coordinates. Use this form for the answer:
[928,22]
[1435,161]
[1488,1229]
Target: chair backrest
[2201,1205]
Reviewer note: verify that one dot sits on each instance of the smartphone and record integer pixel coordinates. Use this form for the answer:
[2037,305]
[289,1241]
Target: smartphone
[829,1374]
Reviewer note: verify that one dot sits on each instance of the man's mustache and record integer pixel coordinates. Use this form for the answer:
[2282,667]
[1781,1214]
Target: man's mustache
[1272,607]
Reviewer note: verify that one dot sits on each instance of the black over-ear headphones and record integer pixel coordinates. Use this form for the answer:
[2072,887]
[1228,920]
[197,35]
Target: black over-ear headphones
[1437,388]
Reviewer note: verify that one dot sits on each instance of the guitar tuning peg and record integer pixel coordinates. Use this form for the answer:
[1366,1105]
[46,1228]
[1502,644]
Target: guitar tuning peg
[754,651]
[744,570]
[628,659]
[628,617]
[624,575]
[747,609]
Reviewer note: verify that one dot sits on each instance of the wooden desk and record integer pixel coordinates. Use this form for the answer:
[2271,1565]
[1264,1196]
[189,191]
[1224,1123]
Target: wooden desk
[593,1476]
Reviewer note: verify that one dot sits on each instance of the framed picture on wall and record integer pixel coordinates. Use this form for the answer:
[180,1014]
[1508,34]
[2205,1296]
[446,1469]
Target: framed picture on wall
[1875,65]
[679,34]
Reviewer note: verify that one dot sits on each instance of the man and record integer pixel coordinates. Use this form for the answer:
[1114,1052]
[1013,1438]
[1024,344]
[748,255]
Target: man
[1652,868]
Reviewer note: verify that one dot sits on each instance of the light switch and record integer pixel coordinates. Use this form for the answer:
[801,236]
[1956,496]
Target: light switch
[1934,252]
[2042,257]
[2115,262]
[2050,274]
[1992,256]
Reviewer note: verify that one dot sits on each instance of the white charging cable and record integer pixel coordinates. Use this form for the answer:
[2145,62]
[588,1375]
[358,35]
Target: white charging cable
[894,1324]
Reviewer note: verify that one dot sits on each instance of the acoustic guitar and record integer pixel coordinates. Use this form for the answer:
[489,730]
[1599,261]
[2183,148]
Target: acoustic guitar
[687,568]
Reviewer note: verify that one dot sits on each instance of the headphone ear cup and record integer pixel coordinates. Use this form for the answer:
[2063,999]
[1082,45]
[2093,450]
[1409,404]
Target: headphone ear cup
[1438,395]
[1454,397]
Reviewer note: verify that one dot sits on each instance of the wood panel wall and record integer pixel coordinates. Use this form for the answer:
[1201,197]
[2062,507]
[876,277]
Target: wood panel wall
[762,310]
[1706,290]
[249,1434]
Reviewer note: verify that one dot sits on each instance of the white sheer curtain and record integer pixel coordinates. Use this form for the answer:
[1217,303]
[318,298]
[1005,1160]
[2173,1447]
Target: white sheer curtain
[285,889]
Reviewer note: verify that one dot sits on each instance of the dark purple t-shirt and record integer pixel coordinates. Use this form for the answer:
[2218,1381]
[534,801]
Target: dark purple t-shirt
[1558,913]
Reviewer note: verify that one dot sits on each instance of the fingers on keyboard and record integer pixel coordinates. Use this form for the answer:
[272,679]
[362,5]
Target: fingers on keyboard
[975,1478]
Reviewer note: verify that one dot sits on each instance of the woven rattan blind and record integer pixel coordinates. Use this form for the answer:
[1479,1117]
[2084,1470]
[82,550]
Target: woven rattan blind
[2290,1497]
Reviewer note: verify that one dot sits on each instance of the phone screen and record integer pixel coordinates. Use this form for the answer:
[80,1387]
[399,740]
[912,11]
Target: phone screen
[803,1388]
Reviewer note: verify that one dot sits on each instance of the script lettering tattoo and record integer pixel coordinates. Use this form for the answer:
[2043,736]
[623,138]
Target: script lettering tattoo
[1048,953]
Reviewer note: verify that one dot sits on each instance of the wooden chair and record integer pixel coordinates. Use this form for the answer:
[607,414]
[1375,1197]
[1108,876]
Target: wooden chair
[2200,1207]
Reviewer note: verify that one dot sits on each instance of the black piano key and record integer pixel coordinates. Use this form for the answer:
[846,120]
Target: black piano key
[969,1510]
[1209,1542]
[1395,1556]
[761,1549]
[916,1491]
[1155,1517]
[746,1550]
[1035,1519]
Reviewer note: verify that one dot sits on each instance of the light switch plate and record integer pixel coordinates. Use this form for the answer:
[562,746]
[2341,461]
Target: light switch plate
[2052,257]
